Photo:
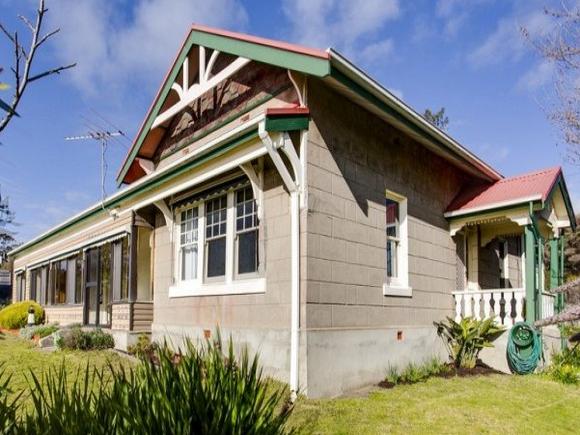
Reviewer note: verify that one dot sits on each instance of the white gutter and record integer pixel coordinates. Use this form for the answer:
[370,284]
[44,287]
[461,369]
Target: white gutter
[374,87]
[293,184]
[493,205]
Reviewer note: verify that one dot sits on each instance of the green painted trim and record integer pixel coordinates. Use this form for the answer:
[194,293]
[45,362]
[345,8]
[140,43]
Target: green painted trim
[146,187]
[530,242]
[554,263]
[561,183]
[274,56]
[358,89]
[492,210]
[301,62]
[287,123]
[227,120]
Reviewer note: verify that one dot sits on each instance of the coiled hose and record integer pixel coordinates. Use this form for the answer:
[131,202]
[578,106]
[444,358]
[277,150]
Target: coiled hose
[524,348]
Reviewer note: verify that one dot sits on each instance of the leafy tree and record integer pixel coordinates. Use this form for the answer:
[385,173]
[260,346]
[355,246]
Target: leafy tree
[560,47]
[438,119]
[7,240]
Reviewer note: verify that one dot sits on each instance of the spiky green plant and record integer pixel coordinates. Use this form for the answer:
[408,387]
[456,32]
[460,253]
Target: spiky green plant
[8,406]
[201,390]
[465,339]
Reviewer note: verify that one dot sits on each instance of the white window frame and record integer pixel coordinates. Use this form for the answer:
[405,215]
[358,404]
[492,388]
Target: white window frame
[230,284]
[399,285]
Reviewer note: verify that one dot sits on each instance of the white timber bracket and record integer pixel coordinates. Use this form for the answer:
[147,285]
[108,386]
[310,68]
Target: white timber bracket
[206,80]
[256,178]
[280,141]
[147,165]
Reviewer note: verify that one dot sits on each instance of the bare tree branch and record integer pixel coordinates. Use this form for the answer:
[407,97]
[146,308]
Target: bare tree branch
[23,60]
[51,71]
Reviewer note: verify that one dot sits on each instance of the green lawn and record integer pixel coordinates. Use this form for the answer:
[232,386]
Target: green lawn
[485,404]
[19,357]
[492,404]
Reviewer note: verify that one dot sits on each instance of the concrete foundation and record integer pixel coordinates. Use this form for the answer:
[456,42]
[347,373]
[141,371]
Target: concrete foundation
[343,360]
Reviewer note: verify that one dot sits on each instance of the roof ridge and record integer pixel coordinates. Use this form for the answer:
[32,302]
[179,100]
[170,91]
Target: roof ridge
[529,174]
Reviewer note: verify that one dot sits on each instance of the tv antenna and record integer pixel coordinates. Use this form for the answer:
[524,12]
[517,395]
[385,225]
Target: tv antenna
[103,137]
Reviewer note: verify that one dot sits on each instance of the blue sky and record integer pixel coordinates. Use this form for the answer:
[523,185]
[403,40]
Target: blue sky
[467,56]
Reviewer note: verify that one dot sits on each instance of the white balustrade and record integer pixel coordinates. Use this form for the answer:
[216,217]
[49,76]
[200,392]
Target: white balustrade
[548,302]
[506,306]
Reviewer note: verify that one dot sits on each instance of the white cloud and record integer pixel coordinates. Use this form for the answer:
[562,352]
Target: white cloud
[538,76]
[506,42]
[377,52]
[342,24]
[113,48]
[455,14]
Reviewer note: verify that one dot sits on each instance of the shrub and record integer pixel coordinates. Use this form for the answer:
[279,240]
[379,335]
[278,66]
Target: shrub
[465,339]
[202,391]
[75,338]
[414,373]
[565,366]
[144,348]
[41,331]
[15,316]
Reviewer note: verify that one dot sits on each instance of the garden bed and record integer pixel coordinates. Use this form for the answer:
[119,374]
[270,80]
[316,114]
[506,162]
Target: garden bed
[449,371]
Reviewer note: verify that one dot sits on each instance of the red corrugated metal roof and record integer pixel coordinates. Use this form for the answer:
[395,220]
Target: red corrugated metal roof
[531,186]
[263,41]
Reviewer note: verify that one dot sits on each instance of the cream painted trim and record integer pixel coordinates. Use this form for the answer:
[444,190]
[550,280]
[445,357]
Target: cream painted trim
[87,244]
[234,162]
[134,186]
[392,290]
[492,206]
[237,287]
[520,216]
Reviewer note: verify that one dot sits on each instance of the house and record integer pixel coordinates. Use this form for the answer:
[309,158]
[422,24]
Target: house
[282,194]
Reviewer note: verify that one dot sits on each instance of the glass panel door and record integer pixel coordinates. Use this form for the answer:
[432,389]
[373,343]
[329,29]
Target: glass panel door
[92,287]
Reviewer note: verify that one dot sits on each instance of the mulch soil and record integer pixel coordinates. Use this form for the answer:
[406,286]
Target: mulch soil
[480,369]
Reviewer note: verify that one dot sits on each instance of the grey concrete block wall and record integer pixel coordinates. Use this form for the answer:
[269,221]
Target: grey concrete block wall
[351,327]
[352,158]
[260,321]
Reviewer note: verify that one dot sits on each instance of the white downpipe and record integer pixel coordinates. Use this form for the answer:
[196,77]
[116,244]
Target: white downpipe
[295,312]
[293,184]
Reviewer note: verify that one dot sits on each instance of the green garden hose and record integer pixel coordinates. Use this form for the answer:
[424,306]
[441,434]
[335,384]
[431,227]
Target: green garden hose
[524,348]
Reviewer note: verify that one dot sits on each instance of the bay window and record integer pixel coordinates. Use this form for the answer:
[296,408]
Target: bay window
[216,244]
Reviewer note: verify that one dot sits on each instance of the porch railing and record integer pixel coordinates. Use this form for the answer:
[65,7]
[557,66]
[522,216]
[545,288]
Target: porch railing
[548,304]
[505,305]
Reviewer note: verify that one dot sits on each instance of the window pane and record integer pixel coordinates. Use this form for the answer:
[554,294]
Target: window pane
[216,257]
[125,270]
[391,258]
[79,279]
[70,280]
[189,263]
[392,217]
[216,214]
[248,252]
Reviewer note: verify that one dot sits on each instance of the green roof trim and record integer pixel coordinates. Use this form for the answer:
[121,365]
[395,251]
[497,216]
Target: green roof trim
[517,205]
[145,187]
[274,56]
[373,99]
[287,123]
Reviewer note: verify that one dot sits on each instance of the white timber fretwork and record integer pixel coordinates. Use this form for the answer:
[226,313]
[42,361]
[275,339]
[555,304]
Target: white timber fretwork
[206,80]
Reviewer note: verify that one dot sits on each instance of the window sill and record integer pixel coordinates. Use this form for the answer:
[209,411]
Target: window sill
[238,287]
[397,290]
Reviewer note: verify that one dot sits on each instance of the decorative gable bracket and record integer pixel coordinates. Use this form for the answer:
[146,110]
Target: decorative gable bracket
[206,80]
